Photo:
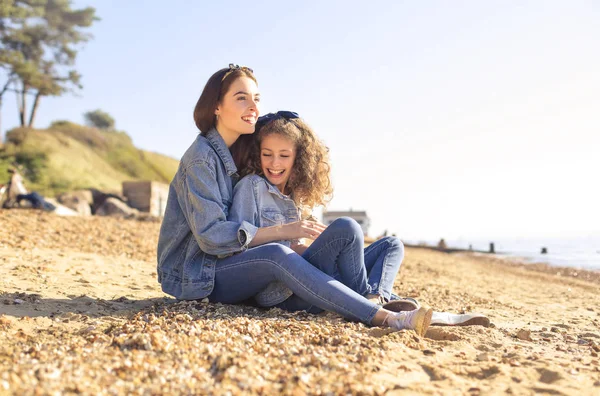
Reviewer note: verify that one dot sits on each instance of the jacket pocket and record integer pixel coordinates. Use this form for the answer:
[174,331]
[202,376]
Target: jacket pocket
[272,217]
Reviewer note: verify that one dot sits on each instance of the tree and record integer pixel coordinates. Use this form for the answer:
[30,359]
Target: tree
[39,40]
[13,13]
[99,119]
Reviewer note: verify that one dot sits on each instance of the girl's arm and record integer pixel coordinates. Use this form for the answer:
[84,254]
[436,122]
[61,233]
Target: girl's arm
[244,210]
[295,230]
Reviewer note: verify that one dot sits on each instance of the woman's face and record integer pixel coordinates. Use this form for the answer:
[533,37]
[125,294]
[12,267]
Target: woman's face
[238,111]
[277,156]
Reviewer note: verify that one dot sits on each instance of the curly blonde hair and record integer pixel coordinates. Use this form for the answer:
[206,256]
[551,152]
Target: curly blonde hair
[310,181]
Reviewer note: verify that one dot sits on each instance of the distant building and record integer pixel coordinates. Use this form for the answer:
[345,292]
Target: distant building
[147,196]
[360,216]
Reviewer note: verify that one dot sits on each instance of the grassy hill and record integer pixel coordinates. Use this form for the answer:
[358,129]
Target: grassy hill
[68,156]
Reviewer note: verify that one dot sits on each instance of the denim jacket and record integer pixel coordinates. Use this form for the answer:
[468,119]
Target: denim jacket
[195,230]
[258,202]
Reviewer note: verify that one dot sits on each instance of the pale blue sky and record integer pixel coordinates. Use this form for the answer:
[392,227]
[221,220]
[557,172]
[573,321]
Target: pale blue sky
[444,118]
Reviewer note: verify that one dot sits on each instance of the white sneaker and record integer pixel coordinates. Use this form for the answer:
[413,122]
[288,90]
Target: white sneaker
[417,320]
[450,319]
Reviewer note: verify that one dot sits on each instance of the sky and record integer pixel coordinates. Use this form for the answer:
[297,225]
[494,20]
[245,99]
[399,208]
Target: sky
[462,119]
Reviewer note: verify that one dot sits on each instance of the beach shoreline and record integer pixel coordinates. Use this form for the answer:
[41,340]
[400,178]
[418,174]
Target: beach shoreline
[590,275]
[81,312]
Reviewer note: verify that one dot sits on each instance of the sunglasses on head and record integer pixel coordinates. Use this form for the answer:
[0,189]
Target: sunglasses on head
[267,118]
[233,67]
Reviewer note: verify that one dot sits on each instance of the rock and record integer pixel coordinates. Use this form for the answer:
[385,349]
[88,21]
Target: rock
[5,322]
[549,376]
[589,335]
[524,335]
[570,338]
[79,201]
[482,357]
[115,208]
[100,197]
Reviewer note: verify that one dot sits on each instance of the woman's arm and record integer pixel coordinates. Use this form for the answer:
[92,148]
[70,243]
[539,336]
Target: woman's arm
[201,202]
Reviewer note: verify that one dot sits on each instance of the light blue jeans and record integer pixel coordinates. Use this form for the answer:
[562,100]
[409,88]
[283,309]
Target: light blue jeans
[339,252]
[241,276]
[339,261]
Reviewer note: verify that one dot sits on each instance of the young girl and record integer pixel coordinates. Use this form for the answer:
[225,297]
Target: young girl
[288,175]
[203,254]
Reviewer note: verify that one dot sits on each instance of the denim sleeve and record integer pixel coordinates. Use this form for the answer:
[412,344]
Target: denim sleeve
[244,209]
[203,206]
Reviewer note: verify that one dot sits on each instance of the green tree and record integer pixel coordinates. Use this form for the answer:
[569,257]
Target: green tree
[13,14]
[39,41]
[99,119]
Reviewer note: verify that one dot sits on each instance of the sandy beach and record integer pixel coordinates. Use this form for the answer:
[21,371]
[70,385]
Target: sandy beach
[81,312]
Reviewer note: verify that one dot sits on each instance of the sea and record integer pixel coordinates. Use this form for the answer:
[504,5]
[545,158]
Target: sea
[575,252]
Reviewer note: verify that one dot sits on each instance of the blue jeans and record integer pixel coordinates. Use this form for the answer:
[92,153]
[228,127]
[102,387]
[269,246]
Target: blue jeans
[339,252]
[241,276]
[36,201]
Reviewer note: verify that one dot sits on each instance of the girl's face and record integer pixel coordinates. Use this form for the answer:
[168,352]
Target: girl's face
[277,156]
[238,111]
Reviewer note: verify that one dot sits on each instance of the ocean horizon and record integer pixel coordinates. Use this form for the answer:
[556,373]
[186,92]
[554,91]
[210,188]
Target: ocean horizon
[574,252]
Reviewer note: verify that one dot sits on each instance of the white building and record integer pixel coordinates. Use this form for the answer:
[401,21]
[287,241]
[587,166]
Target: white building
[360,216]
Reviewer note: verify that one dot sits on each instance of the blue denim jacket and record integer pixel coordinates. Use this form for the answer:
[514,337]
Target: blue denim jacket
[258,202]
[195,230]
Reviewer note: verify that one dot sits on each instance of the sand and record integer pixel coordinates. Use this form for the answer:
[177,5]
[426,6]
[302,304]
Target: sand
[81,312]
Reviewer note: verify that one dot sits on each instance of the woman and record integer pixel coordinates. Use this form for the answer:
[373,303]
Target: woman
[288,174]
[202,254]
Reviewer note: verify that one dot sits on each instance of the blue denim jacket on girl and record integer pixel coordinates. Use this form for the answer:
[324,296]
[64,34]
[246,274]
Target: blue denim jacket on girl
[195,230]
[258,202]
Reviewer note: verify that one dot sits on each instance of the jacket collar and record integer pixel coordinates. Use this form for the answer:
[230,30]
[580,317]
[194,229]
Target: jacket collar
[218,144]
[275,191]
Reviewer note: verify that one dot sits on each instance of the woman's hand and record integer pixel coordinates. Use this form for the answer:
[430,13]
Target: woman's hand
[303,229]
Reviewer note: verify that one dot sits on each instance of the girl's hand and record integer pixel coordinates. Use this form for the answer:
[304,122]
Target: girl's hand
[303,229]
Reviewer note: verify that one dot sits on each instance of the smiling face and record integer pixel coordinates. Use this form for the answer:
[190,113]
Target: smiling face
[277,157]
[238,110]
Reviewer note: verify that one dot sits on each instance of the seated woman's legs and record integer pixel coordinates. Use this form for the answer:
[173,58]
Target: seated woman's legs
[240,276]
[243,275]
[382,261]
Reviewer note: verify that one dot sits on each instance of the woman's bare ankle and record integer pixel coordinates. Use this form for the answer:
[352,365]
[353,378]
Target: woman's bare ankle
[372,297]
[380,317]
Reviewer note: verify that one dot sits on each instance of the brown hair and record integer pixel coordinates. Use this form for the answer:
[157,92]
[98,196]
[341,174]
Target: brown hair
[310,181]
[212,94]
